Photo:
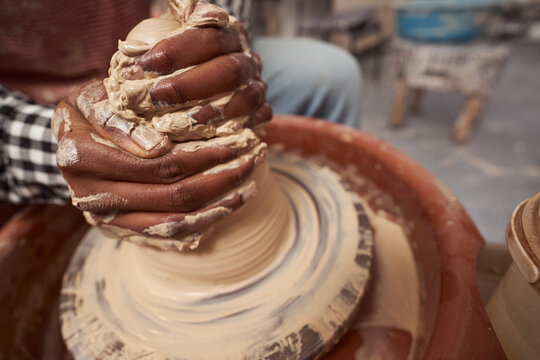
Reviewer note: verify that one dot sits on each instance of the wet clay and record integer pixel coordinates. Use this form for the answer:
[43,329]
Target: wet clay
[392,306]
[131,99]
[281,277]
[40,339]
[35,247]
[129,107]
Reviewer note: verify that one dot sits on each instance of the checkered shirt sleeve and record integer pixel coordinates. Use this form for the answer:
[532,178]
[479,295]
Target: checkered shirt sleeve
[28,172]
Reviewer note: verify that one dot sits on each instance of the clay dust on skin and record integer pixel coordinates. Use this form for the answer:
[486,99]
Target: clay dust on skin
[170,229]
[98,201]
[100,140]
[60,115]
[243,140]
[67,153]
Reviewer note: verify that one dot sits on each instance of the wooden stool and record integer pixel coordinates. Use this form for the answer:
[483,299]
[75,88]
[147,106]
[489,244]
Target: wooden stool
[471,70]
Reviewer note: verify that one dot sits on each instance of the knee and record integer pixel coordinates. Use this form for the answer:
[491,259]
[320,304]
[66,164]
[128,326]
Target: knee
[327,67]
[312,78]
[307,62]
[333,79]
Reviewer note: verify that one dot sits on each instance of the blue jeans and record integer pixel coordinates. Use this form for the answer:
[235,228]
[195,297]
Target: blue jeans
[311,78]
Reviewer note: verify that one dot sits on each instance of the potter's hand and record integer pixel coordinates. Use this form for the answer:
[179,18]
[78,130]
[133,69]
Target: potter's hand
[117,188]
[219,67]
[213,64]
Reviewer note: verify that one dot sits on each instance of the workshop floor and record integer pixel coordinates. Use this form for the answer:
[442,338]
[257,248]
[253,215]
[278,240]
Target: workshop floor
[500,166]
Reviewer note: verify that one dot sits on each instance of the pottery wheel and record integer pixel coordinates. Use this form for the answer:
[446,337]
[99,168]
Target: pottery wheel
[119,300]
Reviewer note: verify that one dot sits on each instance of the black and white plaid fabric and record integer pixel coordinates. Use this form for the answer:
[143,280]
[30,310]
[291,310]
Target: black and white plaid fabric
[28,172]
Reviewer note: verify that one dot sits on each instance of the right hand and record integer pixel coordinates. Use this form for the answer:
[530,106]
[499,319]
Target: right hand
[215,63]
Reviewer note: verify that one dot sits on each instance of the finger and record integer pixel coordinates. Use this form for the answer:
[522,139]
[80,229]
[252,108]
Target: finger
[175,225]
[183,196]
[241,28]
[244,102]
[90,99]
[88,94]
[259,118]
[190,48]
[99,160]
[81,151]
[139,140]
[214,77]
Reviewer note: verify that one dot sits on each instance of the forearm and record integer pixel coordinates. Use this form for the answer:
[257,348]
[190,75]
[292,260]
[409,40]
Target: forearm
[28,172]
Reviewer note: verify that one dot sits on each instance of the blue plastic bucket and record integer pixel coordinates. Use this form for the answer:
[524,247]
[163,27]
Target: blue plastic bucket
[443,21]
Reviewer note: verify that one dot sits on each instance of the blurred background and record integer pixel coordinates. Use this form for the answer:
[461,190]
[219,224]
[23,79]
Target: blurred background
[455,84]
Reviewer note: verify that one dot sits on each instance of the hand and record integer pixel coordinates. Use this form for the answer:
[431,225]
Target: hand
[214,65]
[167,196]
[219,66]
[128,176]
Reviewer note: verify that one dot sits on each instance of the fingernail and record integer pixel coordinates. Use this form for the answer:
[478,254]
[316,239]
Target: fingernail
[102,112]
[118,123]
[146,137]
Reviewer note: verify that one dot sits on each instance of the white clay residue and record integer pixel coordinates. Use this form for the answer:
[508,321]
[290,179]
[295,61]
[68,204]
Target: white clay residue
[88,96]
[99,200]
[59,116]
[100,140]
[169,229]
[257,154]
[238,141]
[67,152]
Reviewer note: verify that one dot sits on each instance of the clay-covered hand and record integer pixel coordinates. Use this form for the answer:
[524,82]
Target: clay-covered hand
[163,147]
[201,77]
[217,65]
[120,190]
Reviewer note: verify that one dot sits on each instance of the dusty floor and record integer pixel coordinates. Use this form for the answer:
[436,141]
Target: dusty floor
[500,166]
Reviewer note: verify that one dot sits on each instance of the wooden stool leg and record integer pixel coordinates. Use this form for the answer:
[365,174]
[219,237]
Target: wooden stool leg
[468,117]
[400,103]
[417,100]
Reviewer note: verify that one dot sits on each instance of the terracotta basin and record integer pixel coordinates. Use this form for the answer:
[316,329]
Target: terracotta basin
[36,243]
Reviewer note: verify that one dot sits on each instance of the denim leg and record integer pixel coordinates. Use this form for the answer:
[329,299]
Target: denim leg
[311,78]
